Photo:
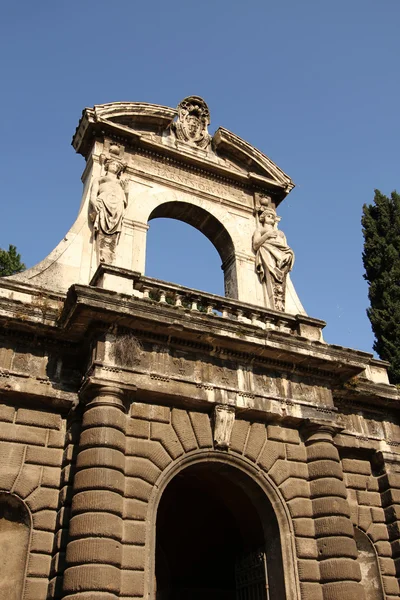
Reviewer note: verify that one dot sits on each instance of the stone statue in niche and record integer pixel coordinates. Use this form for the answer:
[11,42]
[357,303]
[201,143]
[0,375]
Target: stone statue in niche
[192,123]
[274,258]
[108,201]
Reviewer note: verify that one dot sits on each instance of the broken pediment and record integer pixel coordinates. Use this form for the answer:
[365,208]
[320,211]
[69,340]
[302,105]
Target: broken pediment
[182,134]
[261,169]
[147,161]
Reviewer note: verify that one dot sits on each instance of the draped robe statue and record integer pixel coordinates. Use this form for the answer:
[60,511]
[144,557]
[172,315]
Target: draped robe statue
[108,200]
[274,258]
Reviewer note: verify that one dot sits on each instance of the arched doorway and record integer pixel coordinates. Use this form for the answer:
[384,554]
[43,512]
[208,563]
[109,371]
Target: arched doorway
[217,537]
[369,565]
[15,529]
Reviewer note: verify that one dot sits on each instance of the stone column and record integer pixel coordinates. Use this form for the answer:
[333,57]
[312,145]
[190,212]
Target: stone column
[337,551]
[94,550]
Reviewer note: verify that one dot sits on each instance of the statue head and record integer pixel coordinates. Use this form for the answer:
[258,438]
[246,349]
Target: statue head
[268,216]
[112,164]
[266,212]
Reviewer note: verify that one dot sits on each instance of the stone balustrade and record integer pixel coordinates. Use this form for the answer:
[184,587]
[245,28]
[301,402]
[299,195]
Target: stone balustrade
[197,302]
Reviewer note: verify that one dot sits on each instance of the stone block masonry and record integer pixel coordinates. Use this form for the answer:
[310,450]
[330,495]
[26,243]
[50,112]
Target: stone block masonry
[160,442]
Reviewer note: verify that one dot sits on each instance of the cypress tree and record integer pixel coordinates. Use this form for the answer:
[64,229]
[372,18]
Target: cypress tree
[381,258]
[10,262]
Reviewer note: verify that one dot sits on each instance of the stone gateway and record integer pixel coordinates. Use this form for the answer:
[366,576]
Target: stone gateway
[161,443]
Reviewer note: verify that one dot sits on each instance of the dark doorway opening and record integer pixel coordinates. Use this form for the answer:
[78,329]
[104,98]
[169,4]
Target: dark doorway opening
[213,541]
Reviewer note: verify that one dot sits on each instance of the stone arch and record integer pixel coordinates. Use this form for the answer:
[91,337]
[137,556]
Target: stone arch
[15,538]
[200,219]
[369,565]
[212,227]
[261,486]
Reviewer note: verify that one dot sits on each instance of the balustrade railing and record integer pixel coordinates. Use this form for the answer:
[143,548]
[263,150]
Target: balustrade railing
[195,301]
[202,303]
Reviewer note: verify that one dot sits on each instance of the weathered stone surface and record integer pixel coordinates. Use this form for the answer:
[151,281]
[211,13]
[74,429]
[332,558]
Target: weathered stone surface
[149,412]
[167,437]
[92,578]
[308,570]
[94,550]
[109,501]
[304,527]
[184,430]
[135,509]
[132,582]
[311,591]
[202,429]
[36,588]
[137,488]
[143,420]
[300,507]
[38,418]
[138,428]
[96,524]
[283,434]
[255,441]
[7,413]
[44,520]
[283,469]
[306,548]
[134,532]
[42,542]
[102,436]
[296,452]
[154,450]
[239,435]
[142,468]
[361,467]
[271,453]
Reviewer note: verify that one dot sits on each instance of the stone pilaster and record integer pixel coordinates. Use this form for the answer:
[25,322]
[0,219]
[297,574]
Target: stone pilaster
[94,549]
[337,551]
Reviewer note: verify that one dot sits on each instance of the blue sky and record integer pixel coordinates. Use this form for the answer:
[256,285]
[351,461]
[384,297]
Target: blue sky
[313,84]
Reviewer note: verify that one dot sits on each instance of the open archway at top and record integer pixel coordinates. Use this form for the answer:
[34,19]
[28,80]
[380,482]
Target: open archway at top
[178,253]
[178,249]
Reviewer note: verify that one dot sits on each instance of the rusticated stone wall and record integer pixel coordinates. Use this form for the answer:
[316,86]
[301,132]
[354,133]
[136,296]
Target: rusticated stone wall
[31,450]
[90,486]
[372,509]
[156,436]
[73,429]
[308,478]
[112,382]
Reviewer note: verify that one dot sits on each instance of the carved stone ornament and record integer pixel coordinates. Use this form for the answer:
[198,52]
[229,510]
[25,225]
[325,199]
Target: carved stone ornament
[108,200]
[224,418]
[192,123]
[274,258]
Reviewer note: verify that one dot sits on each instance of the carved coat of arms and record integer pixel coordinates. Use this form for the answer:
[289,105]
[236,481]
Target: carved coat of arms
[192,123]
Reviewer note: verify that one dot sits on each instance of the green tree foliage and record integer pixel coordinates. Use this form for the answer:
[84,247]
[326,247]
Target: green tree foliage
[381,257]
[10,262]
